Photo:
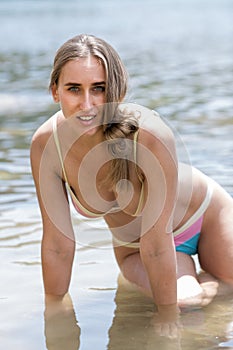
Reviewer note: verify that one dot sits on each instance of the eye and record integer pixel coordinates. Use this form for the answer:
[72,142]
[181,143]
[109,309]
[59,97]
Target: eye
[74,89]
[99,88]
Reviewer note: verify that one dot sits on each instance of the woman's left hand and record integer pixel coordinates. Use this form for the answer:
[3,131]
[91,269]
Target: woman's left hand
[167,321]
[169,330]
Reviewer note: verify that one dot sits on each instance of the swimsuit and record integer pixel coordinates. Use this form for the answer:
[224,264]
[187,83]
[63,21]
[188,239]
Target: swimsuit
[78,206]
[186,237]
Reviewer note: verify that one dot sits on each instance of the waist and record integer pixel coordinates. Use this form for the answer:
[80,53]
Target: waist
[194,218]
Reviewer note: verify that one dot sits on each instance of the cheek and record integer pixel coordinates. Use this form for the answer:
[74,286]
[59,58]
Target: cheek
[102,99]
[67,101]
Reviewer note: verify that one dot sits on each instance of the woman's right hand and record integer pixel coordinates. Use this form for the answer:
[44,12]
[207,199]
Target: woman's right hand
[61,329]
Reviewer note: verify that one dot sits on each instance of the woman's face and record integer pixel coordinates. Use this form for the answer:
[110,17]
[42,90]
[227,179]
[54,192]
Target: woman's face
[81,89]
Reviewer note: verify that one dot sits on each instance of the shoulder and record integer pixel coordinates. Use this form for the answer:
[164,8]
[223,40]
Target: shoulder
[151,125]
[42,144]
[156,141]
[43,134]
[154,133]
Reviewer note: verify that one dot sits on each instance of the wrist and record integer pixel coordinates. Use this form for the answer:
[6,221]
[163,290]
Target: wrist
[168,312]
[56,304]
[52,298]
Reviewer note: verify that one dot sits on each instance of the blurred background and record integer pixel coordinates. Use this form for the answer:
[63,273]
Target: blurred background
[179,55]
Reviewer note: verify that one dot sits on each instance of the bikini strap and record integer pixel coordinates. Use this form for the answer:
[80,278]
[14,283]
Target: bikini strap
[141,198]
[135,139]
[71,192]
[200,211]
[57,143]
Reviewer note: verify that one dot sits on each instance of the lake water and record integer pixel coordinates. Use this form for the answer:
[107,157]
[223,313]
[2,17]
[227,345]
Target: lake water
[179,54]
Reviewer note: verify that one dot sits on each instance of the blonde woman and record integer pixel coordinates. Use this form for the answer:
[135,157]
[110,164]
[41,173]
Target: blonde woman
[118,161]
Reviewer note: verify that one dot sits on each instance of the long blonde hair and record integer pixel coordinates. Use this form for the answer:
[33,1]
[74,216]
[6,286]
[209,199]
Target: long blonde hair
[117,125]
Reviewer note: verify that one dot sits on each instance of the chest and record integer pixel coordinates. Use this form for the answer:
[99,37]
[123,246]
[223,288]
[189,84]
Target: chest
[88,178]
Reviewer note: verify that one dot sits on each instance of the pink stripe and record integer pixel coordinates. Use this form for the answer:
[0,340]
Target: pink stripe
[189,232]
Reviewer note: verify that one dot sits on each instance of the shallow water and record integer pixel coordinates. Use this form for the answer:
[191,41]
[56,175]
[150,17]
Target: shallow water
[179,56]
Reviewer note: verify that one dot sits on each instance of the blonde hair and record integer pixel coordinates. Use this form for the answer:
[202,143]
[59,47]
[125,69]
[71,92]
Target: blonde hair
[116,125]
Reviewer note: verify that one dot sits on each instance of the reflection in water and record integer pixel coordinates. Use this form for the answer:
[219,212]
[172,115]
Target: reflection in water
[61,329]
[131,320]
[180,63]
[134,325]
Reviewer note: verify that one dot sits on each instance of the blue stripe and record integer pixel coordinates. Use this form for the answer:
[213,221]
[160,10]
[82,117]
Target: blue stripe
[190,246]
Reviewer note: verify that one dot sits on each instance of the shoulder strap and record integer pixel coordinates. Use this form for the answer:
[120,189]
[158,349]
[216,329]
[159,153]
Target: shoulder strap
[57,143]
[76,202]
[135,138]
[140,177]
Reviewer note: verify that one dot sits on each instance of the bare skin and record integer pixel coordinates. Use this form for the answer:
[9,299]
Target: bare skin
[156,269]
[195,290]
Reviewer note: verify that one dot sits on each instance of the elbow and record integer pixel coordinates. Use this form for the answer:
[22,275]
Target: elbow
[151,250]
[58,250]
[150,253]
[62,254]
[148,250]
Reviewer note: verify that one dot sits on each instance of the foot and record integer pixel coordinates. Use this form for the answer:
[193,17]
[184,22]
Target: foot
[189,292]
[193,293]
[210,283]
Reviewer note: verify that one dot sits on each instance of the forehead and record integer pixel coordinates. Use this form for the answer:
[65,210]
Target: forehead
[88,68]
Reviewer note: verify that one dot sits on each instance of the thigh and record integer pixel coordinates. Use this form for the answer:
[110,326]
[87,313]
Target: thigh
[215,247]
[133,270]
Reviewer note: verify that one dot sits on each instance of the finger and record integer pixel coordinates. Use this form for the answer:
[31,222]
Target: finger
[173,332]
[164,330]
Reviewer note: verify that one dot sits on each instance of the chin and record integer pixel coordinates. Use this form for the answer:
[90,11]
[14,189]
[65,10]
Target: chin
[92,130]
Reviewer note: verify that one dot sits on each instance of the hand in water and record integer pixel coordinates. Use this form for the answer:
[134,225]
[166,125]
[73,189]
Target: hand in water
[170,330]
[61,329]
[168,334]
[167,321]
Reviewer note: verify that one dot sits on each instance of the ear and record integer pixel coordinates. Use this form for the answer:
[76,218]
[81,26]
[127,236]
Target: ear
[55,93]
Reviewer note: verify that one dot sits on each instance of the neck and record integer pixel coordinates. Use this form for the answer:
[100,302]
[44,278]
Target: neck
[90,138]
[84,137]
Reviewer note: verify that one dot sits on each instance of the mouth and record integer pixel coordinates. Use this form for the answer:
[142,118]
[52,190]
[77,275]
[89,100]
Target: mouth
[86,117]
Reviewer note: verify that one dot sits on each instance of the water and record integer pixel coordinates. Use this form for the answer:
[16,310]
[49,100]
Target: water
[179,56]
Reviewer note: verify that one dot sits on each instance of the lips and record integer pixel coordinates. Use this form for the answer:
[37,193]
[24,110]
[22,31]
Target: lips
[86,118]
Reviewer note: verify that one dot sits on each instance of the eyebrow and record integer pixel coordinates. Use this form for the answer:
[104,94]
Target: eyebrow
[77,84]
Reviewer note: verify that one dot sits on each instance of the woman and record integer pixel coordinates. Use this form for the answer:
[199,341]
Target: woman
[119,162]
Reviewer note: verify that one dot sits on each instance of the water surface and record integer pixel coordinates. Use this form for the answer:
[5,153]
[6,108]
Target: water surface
[179,57]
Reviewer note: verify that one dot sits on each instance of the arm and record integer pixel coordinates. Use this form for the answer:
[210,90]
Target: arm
[58,244]
[160,264]
[156,245]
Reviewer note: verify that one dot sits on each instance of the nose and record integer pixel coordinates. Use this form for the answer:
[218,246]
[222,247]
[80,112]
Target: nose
[86,102]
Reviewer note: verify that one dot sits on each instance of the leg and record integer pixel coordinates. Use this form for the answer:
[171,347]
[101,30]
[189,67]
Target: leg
[190,292]
[215,248]
[133,270]
[193,290]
